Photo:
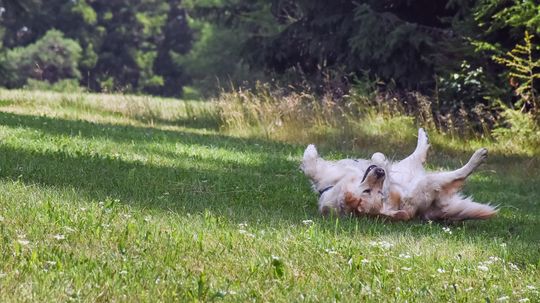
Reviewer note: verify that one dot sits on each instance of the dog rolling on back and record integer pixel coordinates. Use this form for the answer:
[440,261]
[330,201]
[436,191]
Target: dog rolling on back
[401,191]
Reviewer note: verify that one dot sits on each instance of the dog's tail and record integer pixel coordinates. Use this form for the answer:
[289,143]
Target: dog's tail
[463,208]
[309,162]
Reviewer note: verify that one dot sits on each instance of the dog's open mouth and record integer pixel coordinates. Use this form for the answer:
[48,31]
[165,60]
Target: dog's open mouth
[379,172]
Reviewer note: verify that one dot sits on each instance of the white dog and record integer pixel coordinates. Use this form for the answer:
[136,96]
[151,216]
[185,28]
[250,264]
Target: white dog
[402,190]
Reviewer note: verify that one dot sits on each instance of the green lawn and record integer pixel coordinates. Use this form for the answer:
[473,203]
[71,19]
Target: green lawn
[105,201]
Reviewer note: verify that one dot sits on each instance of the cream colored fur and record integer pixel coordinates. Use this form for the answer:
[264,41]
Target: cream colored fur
[402,191]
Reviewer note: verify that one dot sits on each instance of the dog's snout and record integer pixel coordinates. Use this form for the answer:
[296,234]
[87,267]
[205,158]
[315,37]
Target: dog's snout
[379,172]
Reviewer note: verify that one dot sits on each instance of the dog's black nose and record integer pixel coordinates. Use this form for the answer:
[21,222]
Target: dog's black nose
[379,172]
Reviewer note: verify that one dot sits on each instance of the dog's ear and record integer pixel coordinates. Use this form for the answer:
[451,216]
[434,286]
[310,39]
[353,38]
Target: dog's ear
[352,203]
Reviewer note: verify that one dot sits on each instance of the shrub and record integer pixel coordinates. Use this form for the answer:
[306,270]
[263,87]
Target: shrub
[65,85]
[520,132]
[52,58]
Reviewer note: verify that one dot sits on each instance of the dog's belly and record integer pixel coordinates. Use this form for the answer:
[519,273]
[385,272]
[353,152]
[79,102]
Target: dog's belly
[407,181]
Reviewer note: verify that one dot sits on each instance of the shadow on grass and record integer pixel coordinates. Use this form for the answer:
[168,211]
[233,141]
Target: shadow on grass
[241,192]
[130,133]
[271,192]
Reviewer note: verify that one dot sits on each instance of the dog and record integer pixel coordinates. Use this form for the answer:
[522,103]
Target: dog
[400,190]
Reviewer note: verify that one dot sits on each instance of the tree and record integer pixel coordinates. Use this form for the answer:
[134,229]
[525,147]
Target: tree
[125,44]
[51,58]
[177,37]
[393,40]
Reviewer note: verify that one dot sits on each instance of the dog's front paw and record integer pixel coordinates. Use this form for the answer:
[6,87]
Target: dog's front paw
[379,159]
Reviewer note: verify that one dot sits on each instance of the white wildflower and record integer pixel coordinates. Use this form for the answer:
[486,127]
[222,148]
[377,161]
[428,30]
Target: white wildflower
[381,244]
[330,251]
[307,222]
[1,219]
[123,272]
[531,287]
[389,271]
[502,299]
[483,268]
[502,245]
[513,266]
[364,261]
[440,270]
[523,300]
[468,289]
[447,230]
[59,237]
[242,225]
[404,256]
[23,242]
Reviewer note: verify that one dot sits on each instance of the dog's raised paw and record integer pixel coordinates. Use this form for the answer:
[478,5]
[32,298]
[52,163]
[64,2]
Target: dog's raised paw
[378,158]
[311,152]
[422,136]
[480,155]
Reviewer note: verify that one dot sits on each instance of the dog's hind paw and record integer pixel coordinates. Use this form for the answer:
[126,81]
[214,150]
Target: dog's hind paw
[479,156]
[310,152]
[422,137]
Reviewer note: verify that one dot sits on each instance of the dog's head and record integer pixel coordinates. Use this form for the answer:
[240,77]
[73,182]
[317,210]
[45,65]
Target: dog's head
[367,197]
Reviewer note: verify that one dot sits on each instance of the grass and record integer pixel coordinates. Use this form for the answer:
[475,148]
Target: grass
[104,200]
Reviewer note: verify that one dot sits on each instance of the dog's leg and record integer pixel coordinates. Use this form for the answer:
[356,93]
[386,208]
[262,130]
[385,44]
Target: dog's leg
[422,146]
[415,161]
[448,183]
[314,166]
[439,186]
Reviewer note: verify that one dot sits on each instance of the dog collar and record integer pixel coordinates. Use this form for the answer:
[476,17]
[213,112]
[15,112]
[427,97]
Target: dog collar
[322,191]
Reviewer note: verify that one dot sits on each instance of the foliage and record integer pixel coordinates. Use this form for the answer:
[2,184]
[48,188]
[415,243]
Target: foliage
[126,44]
[52,58]
[523,71]
[65,86]
[520,131]
[321,35]
[439,49]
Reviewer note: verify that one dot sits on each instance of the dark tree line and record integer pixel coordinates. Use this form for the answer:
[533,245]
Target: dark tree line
[127,45]
[441,47]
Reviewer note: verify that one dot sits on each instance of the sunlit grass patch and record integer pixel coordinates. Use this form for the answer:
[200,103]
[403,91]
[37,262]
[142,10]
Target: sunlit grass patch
[97,204]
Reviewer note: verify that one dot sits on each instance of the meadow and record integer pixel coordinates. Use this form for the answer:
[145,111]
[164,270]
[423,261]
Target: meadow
[112,198]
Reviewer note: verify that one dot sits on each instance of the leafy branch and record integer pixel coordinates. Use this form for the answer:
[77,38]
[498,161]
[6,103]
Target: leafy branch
[523,71]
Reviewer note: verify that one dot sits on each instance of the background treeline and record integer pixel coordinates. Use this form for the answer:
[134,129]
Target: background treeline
[443,49]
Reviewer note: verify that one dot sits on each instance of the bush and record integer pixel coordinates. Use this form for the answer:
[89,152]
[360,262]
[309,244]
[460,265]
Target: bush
[51,59]
[65,86]
[520,132]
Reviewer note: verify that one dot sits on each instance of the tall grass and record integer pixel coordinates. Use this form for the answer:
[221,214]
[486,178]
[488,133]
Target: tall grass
[303,117]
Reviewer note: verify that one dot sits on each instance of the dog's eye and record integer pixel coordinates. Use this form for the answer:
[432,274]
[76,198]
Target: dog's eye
[367,191]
